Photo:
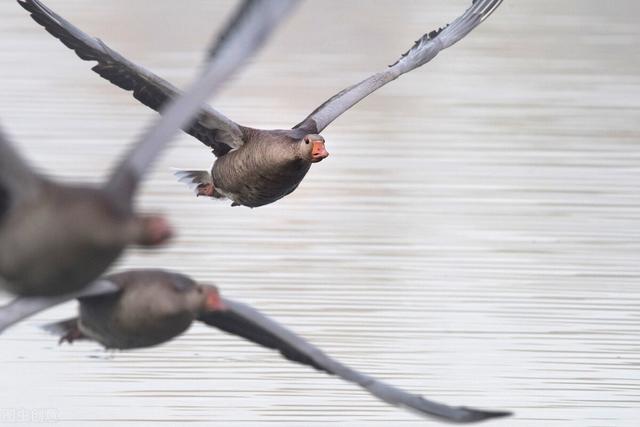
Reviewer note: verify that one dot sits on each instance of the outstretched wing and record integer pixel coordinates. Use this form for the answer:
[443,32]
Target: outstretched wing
[210,126]
[423,51]
[244,39]
[243,320]
[17,180]
[23,307]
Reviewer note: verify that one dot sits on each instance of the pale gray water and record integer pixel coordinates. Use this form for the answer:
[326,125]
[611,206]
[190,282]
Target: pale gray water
[475,235]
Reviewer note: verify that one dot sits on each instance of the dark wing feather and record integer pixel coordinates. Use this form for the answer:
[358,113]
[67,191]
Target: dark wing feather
[23,307]
[243,320]
[236,324]
[247,36]
[423,51]
[210,126]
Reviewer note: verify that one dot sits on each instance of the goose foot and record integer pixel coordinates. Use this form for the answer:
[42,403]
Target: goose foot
[71,336]
[205,190]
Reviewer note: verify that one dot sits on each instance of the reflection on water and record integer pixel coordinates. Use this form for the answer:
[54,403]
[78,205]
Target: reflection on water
[474,235]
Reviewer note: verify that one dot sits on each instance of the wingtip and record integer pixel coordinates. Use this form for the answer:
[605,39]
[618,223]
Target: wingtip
[490,8]
[472,415]
[32,6]
[24,4]
[42,15]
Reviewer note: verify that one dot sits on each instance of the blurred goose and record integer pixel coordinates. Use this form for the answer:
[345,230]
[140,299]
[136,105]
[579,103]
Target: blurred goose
[55,238]
[254,167]
[143,308]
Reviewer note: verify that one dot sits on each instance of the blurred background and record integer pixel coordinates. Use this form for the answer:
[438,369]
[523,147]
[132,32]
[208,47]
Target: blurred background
[474,235]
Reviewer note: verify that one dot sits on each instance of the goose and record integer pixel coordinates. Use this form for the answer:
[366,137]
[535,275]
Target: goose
[254,167]
[144,308]
[56,238]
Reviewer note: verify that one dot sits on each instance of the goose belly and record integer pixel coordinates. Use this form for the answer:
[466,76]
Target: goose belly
[115,326]
[256,184]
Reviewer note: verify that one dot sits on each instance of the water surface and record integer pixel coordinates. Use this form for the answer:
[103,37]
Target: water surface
[474,235]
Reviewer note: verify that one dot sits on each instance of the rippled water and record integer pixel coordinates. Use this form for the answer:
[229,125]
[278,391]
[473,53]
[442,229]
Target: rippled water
[475,235]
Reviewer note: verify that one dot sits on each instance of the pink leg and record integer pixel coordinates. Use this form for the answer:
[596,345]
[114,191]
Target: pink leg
[71,336]
[205,190]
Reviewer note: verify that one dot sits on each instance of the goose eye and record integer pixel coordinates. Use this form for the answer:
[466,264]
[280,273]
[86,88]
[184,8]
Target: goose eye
[306,141]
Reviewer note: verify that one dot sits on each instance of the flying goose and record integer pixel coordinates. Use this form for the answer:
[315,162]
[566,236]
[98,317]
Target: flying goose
[56,238]
[143,308]
[255,167]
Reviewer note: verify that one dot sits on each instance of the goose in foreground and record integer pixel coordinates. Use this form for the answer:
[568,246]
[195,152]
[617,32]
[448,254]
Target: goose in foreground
[55,238]
[142,308]
[255,167]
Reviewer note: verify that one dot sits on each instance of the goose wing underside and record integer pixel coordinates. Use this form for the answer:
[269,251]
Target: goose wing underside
[423,51]
[245,321]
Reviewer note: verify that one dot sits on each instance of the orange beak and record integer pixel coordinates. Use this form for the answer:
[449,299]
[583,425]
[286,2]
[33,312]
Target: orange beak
[214,302]
[318,152]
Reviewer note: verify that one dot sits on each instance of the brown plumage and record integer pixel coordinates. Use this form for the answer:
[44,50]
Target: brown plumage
[151,308]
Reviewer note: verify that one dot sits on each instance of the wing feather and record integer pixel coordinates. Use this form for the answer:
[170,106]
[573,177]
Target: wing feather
[245,321]
[249,34]
[423,51]
[210,126]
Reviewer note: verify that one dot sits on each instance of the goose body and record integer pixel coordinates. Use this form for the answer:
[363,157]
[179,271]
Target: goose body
[62,239]
[152,308]
[55,238]
[257,167]
[262,171]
